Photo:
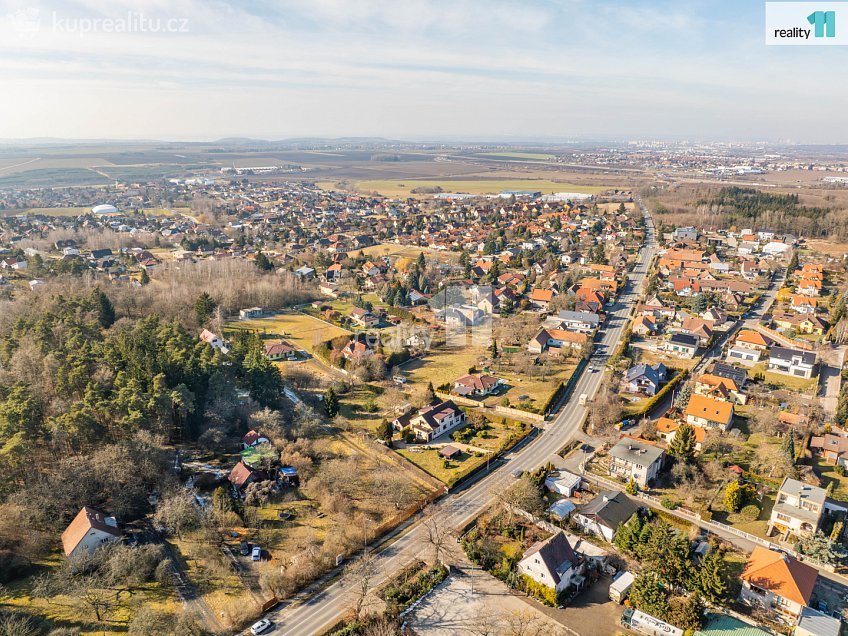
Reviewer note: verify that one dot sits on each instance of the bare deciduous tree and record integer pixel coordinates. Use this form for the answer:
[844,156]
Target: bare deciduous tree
[359,578]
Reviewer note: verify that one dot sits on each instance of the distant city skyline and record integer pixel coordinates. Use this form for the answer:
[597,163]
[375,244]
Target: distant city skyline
[469,70]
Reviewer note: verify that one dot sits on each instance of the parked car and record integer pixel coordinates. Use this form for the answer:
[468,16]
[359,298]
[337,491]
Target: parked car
[256,555]
[260,626]
[244,548]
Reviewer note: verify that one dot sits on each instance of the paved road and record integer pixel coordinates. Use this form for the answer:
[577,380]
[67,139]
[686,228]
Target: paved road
[326,607]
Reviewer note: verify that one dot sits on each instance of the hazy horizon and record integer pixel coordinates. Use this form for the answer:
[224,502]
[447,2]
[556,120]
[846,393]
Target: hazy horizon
[417,71]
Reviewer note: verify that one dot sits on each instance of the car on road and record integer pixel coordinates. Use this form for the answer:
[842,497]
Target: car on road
[256,555]
[586,448]
[593,369]
[260,626]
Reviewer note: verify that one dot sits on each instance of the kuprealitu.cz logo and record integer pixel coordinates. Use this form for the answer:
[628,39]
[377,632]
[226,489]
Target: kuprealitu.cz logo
[806,23]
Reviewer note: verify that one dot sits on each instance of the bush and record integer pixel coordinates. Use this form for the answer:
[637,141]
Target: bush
[839,469]
[669,503]
[545,594]
[750,512]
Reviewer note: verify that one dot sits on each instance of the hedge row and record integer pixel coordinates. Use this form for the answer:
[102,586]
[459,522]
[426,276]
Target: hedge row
[650,404]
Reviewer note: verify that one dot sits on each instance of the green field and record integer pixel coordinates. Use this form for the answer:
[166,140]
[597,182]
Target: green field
[519,155]
[404,187]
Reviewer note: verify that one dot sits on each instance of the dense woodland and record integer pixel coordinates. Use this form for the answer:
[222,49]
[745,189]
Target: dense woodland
[93,396]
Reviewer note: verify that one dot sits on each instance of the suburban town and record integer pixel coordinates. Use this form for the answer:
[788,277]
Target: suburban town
[423,318]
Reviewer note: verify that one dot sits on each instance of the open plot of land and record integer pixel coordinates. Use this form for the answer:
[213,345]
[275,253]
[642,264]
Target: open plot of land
[304,331]
[398,188]
[402,251]
[541,156]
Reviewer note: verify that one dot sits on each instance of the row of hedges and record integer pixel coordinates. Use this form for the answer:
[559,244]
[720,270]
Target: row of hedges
[404,590]
[650,404]
[563,388]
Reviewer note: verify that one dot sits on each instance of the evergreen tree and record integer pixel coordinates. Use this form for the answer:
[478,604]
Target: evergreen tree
[104,308]
[712,577]
[430,395]
[788,445]
[263,263]
[385,431]
[688,613]
[331,403]
[632,487]
[648,595]
[204,307]
[494,350]
[682,399]
[421,261]
[145,277]
[683,444]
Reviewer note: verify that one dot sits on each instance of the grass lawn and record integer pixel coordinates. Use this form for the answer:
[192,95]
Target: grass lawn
[828,474]
[493,439]
[403,251]
[759,526]
[781,379]
[353,405]
[304,331]
[431,462]
[404,187]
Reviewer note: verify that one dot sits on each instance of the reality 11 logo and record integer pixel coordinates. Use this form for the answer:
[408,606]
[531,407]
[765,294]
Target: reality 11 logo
[825,23]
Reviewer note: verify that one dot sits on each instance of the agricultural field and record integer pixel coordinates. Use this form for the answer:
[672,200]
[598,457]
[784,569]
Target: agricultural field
[539,156]
[403,188]
[302,330]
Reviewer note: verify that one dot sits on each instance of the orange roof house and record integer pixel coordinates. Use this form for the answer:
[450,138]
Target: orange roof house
[780,575]
[754,339]
[705,411]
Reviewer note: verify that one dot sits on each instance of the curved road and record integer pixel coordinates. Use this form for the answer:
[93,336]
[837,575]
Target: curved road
[328,606]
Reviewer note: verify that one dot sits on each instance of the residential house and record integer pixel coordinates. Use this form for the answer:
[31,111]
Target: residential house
[305,273]
[580,321]
[433,420]
[214,341]
[556,338]
[681,345]
[476,385]
[815,623]
[252,438]
[356,350]
[280,351]
[645,379]
[737,374]
[644,326]
[563,483]
[603,515]
[833,448]
[748,347]
[249,314]
[708,412]
[777,581]
[363,317]
[667,431]
[719,388]
[798,508]
[799,364]
[89,530]
[636,459]
[541,298]
[242,475]
[699,328]
[551,563]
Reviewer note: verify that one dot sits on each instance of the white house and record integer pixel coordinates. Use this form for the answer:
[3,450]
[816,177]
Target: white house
[798,507]
[551,563]
[563,483]
[800,364]
[631,458]
[89,530]
[431,421]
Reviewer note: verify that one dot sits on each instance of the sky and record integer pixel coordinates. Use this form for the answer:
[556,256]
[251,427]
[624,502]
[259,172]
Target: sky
[412,69]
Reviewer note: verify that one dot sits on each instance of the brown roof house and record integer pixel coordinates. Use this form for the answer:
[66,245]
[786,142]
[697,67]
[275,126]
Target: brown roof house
[89,530]
[777,581]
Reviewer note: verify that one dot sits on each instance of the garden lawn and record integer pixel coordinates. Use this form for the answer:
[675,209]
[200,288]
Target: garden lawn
[431,462]
[780,379]
[828,474]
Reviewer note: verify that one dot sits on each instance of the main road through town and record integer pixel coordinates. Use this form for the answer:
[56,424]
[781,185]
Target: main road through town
[324,608]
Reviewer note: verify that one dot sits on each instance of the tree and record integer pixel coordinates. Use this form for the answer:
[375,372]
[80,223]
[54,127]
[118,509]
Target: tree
[178,513]
[204,307]
[524,494]
[688,613]
[632,487]
[699,304]
[104,308]
[439,535]
[648,595]
[712,577]
[331,403]
[820,548]
[737,494]
[145,277]
[682,399]
[430,395]
[683,444]
[385,431]
[358,577]
[263,263]
[788,445]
